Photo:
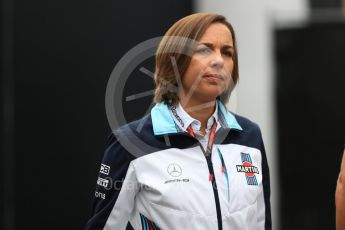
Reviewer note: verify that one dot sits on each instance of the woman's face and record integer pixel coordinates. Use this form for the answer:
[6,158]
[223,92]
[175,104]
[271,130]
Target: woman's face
[209,72]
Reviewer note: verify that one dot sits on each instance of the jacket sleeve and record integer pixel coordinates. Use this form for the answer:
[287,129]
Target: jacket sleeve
[264,206]
[115,190]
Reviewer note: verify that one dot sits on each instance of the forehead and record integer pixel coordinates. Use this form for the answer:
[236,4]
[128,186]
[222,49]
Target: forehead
[217,32]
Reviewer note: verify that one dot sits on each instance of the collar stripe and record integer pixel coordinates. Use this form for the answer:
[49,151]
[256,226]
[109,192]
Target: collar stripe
[163,123]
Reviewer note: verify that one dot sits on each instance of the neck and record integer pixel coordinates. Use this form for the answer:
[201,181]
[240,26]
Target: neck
[201,111]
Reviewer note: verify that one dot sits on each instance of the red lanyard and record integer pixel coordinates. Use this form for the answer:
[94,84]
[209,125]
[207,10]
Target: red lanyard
[209,146]
[210,142]
[210,138]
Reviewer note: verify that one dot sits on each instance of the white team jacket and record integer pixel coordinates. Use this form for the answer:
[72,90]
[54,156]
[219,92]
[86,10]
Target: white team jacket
[155,176]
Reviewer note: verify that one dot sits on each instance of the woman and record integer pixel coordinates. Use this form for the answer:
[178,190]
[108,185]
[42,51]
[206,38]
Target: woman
[209,169]
[340,197]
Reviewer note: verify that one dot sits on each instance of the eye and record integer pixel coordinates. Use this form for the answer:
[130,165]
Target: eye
[203,50]
[228,53]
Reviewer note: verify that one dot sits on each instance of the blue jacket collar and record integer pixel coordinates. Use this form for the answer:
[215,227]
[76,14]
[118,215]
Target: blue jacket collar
[163,123]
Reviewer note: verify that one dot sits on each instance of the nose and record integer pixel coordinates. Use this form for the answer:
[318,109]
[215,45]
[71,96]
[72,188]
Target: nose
[217,60]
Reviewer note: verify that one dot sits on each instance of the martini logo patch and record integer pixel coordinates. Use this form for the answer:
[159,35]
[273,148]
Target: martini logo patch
[248,169]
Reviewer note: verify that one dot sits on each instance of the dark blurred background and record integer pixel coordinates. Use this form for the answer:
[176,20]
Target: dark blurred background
[310,107]
[56,58]
[311,112]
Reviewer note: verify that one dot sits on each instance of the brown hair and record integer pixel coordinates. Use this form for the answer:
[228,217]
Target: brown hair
[176,48]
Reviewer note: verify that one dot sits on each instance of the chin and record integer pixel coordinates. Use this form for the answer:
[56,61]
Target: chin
[209,97]
[212,94]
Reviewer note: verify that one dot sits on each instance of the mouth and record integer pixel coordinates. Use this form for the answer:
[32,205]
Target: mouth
[213,77]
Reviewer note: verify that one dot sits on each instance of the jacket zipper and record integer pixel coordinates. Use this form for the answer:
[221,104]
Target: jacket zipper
[214,187]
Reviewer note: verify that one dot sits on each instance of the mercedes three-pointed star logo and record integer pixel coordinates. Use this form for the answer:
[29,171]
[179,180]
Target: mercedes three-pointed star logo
[174,170]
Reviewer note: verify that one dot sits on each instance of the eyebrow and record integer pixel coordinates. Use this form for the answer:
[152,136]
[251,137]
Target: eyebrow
[211,45]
